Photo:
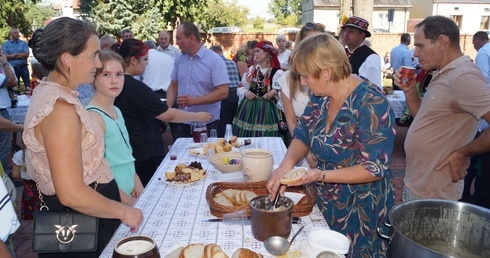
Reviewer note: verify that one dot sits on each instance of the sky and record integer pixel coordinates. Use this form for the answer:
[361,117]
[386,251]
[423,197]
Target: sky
[256,7]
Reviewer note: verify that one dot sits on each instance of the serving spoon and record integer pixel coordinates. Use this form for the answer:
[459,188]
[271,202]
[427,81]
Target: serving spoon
[277,245]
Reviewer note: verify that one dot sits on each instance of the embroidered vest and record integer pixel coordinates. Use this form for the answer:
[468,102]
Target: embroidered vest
[358,57]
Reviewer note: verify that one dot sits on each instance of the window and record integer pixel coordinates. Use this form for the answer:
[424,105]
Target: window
[456,9]
[486,9]
[458,19]
[485,23]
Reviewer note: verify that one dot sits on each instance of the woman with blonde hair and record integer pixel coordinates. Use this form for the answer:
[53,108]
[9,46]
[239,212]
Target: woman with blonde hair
[349,126]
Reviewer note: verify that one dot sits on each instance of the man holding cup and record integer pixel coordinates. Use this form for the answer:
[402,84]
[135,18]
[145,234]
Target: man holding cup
[440,140]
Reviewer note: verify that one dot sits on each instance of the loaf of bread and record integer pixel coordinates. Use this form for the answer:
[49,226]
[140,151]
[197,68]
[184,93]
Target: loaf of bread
[246,253]
[199,251]
[233,197]
[193,251]
[175,253]
[222,146]
[293,176]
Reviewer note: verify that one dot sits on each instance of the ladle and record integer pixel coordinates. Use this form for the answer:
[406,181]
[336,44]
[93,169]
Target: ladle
[277,245]
[274,203]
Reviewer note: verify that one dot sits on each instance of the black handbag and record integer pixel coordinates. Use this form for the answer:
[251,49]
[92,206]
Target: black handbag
[63,231]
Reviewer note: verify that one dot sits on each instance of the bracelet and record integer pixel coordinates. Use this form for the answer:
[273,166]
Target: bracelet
[324,176]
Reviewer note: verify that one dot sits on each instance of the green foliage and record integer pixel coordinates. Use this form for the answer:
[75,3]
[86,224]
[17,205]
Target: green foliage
[223,14]
[39,15]
[258,23]
[13,14]
[286,11]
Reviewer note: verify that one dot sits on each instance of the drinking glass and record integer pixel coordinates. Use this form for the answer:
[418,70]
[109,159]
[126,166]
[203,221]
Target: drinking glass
[213,135]
[204,137]
[171,152]
[228,132]
[197,128]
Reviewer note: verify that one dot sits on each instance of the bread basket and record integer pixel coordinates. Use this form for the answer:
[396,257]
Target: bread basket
[302,208]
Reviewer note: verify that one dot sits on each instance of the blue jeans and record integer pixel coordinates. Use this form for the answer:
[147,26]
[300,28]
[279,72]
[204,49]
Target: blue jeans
[22,72]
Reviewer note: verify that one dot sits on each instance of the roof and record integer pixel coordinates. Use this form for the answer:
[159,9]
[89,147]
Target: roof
[391,3]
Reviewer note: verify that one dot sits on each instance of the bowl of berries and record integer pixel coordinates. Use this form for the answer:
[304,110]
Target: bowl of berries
[227,161]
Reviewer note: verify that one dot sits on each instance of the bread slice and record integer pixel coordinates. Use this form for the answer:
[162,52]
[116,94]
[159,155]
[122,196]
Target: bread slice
[220,254]
[170,175]
[175,253]
[212,250]
[245,253]
[193,251]
[293,176]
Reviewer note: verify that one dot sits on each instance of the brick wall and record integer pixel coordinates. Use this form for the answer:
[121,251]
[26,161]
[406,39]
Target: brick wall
[381,42]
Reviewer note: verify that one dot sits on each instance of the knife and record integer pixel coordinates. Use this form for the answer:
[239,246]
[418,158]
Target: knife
[296,220]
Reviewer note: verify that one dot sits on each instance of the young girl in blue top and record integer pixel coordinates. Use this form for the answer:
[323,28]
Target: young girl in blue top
[108,84]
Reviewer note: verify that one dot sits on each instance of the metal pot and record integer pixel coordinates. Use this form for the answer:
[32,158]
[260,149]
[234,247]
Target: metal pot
[268,222]
[438,228]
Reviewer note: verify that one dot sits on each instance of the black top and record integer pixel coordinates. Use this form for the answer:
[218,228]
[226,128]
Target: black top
[358,57]
[139,106]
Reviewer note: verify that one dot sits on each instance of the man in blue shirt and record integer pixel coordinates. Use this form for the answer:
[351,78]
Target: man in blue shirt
[229,105]
[199,81]
[17,52]
[482,60]
[400,55]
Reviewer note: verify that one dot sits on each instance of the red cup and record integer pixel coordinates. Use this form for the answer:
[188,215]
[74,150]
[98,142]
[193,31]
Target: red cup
[406,75]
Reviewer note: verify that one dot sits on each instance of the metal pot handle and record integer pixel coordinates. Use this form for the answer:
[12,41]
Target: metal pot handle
[385,237]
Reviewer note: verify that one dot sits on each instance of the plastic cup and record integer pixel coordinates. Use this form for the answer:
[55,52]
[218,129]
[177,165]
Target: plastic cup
[406,75]
[204,137]
[171,152]
[228,132]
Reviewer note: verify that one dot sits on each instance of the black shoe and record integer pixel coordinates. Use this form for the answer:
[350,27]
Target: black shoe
[13,103]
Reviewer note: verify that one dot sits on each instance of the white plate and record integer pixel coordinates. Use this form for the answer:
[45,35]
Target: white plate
[180,184]
[199,151]
[328,240]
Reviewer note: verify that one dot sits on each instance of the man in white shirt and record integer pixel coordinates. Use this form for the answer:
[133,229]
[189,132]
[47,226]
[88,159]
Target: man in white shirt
[165,46]
[482,60]
[157,72]
[364,61]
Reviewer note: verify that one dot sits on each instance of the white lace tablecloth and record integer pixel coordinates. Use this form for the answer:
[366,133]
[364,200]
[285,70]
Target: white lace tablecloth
[397,102]
[173,214]
[18,114]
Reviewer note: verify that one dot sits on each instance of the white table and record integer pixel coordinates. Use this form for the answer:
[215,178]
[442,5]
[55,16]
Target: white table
[173,214]
[397,102]
[18,114]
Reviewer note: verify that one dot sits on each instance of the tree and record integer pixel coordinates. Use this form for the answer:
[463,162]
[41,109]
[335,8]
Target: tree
[13,14]
[38,15]
[283,9]
[258,23]
[223,14]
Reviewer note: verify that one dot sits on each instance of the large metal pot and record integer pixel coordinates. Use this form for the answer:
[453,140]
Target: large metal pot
[438,228]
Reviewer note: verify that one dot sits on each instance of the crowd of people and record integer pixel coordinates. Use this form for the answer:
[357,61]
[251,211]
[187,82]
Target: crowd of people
[109,102]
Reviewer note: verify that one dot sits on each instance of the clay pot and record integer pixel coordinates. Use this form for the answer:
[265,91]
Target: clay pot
[136,247]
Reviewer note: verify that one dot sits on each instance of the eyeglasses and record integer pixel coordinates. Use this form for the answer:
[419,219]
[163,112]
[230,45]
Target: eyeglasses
[309,25]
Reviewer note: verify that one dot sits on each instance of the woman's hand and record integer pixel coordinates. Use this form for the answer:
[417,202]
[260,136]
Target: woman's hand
[311,176]
[270,94]
[203,117]
[273,185]
[138,187]
[132,218]
[250,95]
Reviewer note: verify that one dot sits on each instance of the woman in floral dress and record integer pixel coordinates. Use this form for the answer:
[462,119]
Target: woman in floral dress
[350,128]
[257,114]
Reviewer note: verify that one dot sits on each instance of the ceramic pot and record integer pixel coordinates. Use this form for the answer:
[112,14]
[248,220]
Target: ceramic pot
[136,247]
[257,164]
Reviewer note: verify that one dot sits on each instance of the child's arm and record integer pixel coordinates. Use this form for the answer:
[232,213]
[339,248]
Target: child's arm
[126,199]
[15,172]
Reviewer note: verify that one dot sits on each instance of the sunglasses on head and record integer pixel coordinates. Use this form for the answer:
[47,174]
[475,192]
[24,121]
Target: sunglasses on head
[309,25]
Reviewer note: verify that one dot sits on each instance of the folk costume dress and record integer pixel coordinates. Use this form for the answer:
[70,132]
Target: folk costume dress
[257,117]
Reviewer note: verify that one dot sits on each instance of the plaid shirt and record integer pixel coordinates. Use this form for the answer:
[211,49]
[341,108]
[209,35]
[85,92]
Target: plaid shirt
[232,72]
